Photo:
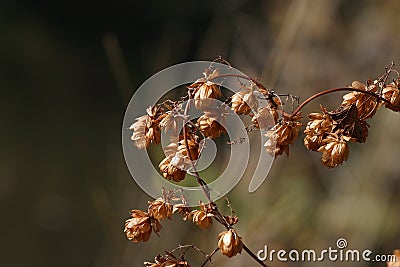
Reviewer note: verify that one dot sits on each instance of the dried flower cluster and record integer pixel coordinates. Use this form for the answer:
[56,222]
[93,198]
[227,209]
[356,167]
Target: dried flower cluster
[327,132]
[230,243]
[139,227]
[330,132]
[282,135]
[245,101]
[167,261]
[203,217]
[146,129]
[211,124]
[178,160]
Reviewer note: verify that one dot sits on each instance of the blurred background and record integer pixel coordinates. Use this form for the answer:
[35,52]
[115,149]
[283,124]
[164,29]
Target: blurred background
[69,68]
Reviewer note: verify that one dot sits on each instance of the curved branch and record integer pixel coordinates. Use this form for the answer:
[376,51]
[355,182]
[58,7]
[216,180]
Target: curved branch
[332,91]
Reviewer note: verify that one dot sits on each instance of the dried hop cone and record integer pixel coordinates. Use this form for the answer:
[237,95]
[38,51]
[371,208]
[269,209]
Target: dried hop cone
[244,101]
[146,129]
[335,150]
[392,94]
[139,227]
[209,125]
[281,136]
[182,159]
[160,210]
[205,94]
[178,160]
[319,125]
[170,172]
[265,117]
[202,218]
[230,243]
[366,104]
[395,263]
[170,122]
[167,261]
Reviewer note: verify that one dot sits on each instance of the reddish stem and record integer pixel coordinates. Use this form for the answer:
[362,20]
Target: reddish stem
[332,91]
[260,85]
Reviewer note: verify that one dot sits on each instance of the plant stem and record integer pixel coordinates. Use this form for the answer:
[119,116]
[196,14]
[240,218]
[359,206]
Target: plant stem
[254,256]
[206,190]
[261,86]
[208,257]
[308,100]
[201,182]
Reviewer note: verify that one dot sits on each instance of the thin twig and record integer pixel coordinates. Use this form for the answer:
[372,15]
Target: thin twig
[254,256]
[187,247]
[208,257]
[206,190]
[203,184]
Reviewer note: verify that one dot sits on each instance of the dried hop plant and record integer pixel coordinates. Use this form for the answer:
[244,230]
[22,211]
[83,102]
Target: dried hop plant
[146,129]
[282,135]
[366,104]
[160,210]
[335,150]
[230,243]
[264,117]
[202,218]
[170,172]
[205,94]
[170,121]
[244,101]
[319,125]
[182,159]
[392,94]
[139,227]
[168,261]
[210,126]
[178,160]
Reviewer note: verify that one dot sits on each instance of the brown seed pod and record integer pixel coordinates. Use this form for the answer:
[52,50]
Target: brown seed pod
[167,261]
[392,94]
[313,142]
[209,124]
[205,94]
[335,150]
[202,219]
[366,104]
[139,227]
[281,136]
[244,101]
[170,172]
[146,129]
[230,243]
[160,210]
[265,117]
[319,125]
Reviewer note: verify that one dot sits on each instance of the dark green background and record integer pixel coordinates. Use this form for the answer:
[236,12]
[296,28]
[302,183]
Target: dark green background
[68,69]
